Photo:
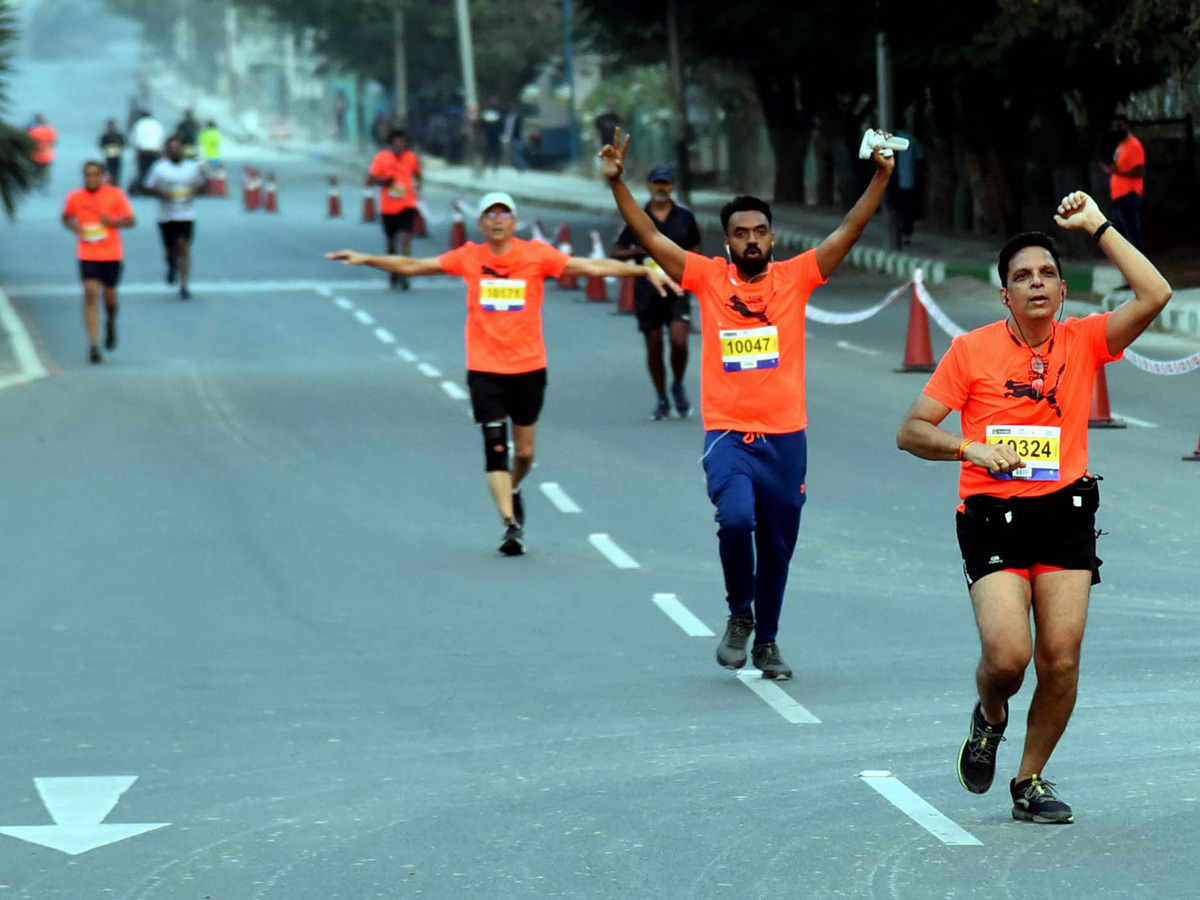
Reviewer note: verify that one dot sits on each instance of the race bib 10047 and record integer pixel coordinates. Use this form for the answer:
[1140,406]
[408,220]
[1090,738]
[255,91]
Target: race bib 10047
[502,294]
[744,349]
[1037,446]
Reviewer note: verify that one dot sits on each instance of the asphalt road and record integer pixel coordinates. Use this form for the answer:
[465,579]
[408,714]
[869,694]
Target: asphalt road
[250,560]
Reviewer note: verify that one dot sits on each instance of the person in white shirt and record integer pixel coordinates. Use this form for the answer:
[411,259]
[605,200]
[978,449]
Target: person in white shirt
[176,181]
[147,136]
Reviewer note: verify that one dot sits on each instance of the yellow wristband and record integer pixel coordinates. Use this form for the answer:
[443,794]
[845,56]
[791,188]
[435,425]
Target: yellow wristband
[962,447]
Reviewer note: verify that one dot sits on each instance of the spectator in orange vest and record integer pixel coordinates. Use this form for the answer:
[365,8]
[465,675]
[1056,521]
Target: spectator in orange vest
[1126,177]
[44,137]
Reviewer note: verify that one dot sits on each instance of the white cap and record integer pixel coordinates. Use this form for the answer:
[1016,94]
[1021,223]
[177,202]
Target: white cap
[496,198]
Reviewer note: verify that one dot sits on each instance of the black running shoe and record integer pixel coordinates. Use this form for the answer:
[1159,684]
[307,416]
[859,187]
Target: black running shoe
[977,756]
[768,661]
[171,272]
[184,294]
[1034,801]
[682,405]
[94,354]
[513,543]
[110,335]
[518,508]
[731,652]
[662,411]
[404,282]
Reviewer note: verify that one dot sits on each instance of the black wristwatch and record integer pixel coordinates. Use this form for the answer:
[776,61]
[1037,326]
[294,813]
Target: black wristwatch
[1099,231]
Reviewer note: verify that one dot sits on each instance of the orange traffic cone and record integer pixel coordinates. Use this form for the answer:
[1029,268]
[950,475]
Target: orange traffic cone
[271,203]
[1100,415]
[335,198]
[368,211]
[566,282]
[458,228]
[251,188]
[217,185]
[597,288]
[918,352]
[1195,457]
[625,302]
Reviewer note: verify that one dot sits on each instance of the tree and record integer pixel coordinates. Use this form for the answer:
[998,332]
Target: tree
[16,147]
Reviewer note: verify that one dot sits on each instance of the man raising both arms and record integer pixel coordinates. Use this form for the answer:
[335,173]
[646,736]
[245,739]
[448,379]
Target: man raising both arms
[1023,390]
[95,213]
[751,392]
[506,354]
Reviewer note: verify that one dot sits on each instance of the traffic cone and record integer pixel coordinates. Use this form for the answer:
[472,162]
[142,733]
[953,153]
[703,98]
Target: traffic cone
[271,203]
[335,198]
[1195,457]
[918,352]
[419,228]
[625,302]
[217,185]
[566,282]
[1100,415]
[458,228]
[597,287]
[368,211]
[251,189]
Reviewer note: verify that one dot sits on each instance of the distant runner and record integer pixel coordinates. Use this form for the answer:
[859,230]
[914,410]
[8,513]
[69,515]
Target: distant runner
[45,138]
[1026,526]
[112,145]
[176,181]
[506,353]
[95,213]
[397,172]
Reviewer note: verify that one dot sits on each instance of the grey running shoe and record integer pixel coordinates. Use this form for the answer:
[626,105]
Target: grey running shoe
[731,652]
[682,405]
[185,294]
[518,508]
[662,411]
[1034,801]
[977,756]
[513,543]
[768,661]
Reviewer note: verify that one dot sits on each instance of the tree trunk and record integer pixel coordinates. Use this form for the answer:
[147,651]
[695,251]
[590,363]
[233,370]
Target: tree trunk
[789,127]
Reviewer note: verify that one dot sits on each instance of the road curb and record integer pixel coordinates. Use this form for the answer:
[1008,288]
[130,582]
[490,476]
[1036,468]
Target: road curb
[27,362]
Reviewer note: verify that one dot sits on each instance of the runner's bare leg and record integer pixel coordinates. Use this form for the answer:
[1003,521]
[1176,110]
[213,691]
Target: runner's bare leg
[1001,602]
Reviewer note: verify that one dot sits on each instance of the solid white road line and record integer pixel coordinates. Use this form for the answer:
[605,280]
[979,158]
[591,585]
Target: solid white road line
[385,336]
[405,354]
[558,497]
[365,317]
[343,303]
[429,371]
[454,391]
[1136,423]
[25,354]
[682,616]
[846,345]
[912,805]
[264,286]
[612,552]
[323,290]
[777,698]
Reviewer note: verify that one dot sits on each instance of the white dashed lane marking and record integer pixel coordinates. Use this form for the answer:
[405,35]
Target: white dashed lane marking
[405,354]
[777,698]
[682,616]
[916,808]
[454,391]
[365,317]
[343,303]
[385,336]
[612,552]
[429,371]
[558,497]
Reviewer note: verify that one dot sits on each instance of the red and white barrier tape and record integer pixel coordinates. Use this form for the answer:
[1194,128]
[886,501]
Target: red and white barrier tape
[832,318]
[1162,367]
[943,321]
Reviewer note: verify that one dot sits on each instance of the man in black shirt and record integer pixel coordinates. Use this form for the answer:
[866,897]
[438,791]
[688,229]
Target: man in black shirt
[112,145]
[654,312]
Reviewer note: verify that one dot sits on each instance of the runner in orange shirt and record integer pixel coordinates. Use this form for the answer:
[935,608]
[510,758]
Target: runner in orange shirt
[397,171]
[95,213]
[506,354]
[1126,182]
[751,392]
[45,137]
[1026,526]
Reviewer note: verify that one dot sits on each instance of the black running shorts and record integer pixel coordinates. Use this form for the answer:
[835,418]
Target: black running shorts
[655,312]
[495,397]
[175,230]
[107,272]
[1057,529]
[397,222]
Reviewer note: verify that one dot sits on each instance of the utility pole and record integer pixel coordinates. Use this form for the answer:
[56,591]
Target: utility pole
[679,96]
[569,56]
[399,65]
[883,90]
[466,53]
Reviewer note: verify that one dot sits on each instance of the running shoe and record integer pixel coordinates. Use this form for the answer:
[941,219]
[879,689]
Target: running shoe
[662,411]
[768,661]
[393,280]
[94,354]
[184,294]
[977,756]
[171,272]
[513,543]
[404,282]
[110,335]
[731,652]
[518,508]
[682,405]
[1034,801]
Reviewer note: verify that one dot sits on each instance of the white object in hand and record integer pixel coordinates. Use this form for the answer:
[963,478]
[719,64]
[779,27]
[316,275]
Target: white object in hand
[872,139]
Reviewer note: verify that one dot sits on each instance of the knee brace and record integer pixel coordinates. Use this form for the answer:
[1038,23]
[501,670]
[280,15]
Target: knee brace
[495,446]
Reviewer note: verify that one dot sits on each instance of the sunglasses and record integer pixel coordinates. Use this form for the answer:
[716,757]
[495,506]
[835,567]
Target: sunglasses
[498,214]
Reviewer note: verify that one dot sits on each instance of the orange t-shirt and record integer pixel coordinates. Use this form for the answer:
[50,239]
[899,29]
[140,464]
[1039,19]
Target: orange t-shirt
[504,303]
[98,243]
[401,194]
[752,343]
[44,136]
[990,377]
[1129,153]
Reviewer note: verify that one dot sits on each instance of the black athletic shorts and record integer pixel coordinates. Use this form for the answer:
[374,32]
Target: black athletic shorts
[397,222]
[174,230]
[107,272]
[1058,529]
[655,312]
[495,397]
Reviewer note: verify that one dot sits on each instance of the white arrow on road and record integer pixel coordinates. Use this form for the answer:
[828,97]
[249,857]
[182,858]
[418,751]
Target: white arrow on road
[78,807]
